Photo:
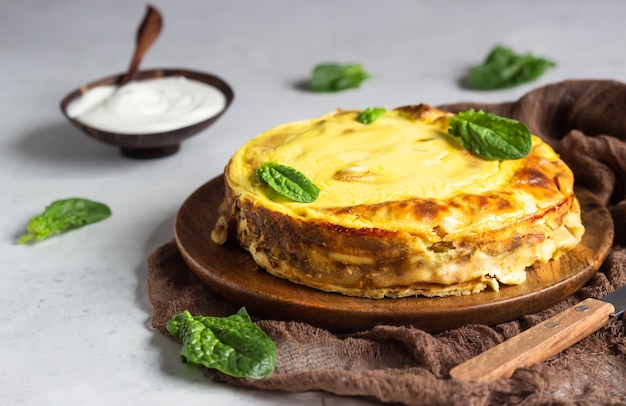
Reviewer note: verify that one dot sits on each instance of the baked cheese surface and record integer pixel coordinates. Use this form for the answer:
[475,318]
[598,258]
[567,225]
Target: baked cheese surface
[403,208]
[396,158]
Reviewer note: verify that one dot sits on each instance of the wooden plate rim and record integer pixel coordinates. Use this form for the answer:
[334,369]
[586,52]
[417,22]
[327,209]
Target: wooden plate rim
[230,271]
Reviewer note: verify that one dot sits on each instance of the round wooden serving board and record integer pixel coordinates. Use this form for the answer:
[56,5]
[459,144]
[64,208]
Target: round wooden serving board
[230,271]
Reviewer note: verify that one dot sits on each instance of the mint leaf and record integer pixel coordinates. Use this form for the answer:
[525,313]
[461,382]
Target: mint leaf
[491,136]
[504,68]
[288,182]
[62,215]
[233,345]
[370,114]
[333,77]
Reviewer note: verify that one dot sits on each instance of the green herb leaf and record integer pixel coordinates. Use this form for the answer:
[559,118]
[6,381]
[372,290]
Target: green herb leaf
[333,77]
[504,68]
[233,345]
[491,136]
[62,215]
[371,114]
[288,182]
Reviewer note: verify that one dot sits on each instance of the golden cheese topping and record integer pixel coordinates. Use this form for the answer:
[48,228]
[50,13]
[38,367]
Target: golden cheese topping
[396,158]
[403,208]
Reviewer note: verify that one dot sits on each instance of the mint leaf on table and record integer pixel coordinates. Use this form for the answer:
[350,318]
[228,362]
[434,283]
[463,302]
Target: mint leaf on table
[370,114]
[233,345]
[288,182]
[491,136]
[334,77]
[504,68]
[62,215]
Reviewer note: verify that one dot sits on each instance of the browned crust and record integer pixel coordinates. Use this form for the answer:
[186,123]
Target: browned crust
[375,263]
[544,181]
[287,240]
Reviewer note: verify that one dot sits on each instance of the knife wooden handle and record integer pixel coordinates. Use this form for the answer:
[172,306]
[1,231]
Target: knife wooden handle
[536,344]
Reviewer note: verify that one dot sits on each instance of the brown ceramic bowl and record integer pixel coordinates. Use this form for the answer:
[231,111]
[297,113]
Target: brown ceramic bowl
[155,145]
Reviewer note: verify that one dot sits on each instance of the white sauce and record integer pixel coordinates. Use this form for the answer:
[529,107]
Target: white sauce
[148,106]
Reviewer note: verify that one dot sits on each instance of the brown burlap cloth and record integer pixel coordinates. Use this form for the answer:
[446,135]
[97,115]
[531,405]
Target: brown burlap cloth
[585,121]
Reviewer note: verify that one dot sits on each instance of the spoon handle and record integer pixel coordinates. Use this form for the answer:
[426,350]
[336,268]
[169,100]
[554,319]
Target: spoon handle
[147,34]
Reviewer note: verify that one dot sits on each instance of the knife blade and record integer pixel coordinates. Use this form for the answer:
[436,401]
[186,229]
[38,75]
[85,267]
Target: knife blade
[543,340]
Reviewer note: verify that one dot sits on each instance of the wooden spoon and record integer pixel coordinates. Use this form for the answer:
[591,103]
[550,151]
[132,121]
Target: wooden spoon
[147,34]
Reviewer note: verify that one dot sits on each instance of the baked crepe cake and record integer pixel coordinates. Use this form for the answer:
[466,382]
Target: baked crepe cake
[403,209]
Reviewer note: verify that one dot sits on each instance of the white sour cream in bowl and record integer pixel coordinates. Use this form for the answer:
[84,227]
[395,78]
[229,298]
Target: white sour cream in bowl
[148,106]
[150,116]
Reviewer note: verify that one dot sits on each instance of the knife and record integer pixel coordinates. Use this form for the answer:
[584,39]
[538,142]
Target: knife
[543,340]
